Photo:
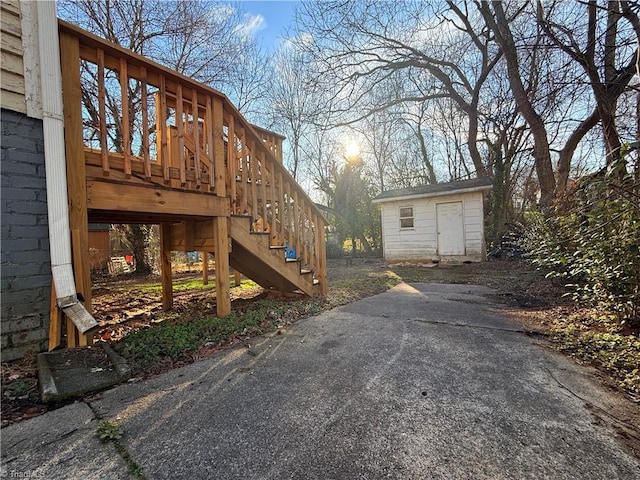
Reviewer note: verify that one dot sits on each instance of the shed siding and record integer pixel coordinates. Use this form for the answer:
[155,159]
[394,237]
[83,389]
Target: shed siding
[12,88]
[420,243]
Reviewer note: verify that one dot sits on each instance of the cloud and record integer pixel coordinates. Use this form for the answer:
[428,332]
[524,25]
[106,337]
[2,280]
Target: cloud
[251,25]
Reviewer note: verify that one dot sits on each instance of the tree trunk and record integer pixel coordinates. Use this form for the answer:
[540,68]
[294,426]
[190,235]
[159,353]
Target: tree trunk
[541,154]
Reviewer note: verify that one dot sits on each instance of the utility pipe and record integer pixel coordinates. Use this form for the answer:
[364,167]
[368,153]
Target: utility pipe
[56,171]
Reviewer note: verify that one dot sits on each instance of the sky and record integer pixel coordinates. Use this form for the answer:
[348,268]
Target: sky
[269,19]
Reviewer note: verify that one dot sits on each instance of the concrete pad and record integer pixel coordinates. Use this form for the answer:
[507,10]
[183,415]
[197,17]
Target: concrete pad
[418,382]
[61,444]
[71,373]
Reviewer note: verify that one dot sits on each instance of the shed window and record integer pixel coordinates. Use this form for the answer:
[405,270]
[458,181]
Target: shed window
[406,217]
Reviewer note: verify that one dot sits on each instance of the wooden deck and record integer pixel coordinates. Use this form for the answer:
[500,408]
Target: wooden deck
[180,155]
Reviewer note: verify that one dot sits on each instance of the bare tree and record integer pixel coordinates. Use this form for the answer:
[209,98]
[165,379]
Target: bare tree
[496,19]
[360,45]
[608,56]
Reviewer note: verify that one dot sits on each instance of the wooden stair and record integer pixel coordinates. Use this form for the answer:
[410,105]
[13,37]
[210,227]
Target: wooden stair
[253,256]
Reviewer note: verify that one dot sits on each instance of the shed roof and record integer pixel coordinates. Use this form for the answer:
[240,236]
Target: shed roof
[436,189]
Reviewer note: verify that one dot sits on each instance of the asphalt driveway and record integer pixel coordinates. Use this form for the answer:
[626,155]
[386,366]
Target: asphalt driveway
[423,381]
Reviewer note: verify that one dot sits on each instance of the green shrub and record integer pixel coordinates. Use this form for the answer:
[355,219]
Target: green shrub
[592,240]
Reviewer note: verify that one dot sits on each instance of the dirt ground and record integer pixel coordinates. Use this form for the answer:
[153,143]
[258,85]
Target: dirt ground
[127,303]
[124,304]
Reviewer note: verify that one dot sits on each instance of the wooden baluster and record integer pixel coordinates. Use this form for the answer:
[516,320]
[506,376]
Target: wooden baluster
[288,214]
[272,194]
[161,129]
[180,128]
[263,187]
[126,130]
[280,219]
[232,162]
[196,135]
[102,113]
[254,179]
[303,233]
[209,125]
[296,222]
[245,175]
[309,234]
[322,256]
[145,125]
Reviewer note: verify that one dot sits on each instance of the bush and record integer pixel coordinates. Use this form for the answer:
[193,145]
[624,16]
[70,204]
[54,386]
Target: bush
[334,249]
[592,239]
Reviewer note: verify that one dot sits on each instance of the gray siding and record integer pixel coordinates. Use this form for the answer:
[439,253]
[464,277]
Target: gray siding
[25,260]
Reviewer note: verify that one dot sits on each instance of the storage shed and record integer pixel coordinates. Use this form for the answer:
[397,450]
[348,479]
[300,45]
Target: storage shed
[441,222]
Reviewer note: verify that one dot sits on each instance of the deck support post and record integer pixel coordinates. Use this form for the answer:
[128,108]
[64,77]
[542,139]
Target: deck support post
[321,254]
[165,266]
[220,224]
[76,176]
[205,268]
[221,245]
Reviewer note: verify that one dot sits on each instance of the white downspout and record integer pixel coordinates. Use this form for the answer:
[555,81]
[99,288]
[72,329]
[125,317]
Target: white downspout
[56,171]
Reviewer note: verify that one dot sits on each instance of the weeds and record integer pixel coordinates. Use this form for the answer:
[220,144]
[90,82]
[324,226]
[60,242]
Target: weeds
[109,432]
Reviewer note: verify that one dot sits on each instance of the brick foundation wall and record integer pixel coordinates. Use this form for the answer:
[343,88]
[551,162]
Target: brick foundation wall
[25,261]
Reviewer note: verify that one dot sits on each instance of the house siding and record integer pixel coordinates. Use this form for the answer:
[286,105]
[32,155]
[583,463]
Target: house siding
[421,242]
[25,259]
[12,88]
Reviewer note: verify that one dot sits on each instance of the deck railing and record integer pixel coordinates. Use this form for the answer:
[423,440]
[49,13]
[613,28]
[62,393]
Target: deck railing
[143,122]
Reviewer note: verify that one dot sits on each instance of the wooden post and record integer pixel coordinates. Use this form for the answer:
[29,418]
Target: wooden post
[205,268]
[76,169]
[165,266]
[237,277]
[321,253]
[72,334]
[55,321]
[220,224]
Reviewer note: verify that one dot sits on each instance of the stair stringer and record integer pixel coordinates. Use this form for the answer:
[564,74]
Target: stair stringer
[252,255]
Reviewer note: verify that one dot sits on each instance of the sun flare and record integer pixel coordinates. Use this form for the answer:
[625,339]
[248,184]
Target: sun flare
[351,149]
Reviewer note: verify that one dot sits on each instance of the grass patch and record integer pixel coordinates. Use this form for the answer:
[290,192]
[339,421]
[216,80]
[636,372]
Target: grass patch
[184,334]
[188,284]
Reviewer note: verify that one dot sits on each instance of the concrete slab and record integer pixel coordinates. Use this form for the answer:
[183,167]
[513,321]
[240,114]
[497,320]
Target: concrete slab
[71,373]
[372,390]
[419,382]
[61,444]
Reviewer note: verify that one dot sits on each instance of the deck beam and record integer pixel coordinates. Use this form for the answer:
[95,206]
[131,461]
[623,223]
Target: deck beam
[104,195]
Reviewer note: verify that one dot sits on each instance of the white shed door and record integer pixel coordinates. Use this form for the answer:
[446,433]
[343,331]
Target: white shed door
[450,228]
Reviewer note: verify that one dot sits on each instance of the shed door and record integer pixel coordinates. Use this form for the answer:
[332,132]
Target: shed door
[450,228]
